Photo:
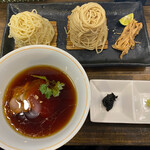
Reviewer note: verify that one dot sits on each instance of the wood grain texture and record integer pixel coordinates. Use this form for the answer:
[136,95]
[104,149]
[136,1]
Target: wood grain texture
[102,133]
[54,41]
[3,9]
[112,134]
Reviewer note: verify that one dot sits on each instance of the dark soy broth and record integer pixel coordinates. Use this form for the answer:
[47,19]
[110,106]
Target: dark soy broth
[51,114]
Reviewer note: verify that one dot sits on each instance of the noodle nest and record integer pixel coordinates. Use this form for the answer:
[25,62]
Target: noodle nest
[88,26]
[29,28]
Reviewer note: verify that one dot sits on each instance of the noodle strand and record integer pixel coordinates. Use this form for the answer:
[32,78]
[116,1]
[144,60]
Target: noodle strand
[88,27]
[29,28]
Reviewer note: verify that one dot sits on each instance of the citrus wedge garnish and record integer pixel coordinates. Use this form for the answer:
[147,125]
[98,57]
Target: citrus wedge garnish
[148,102]
[126,19]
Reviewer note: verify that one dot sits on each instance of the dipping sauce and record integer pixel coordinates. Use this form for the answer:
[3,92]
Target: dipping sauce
[29,112]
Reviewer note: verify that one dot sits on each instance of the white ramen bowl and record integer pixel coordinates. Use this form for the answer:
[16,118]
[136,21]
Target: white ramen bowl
[25,57]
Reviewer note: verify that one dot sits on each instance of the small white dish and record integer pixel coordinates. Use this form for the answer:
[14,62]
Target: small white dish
[141,95]
[129,107]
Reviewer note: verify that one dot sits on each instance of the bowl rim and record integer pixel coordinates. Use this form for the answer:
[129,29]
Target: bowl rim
[88,92]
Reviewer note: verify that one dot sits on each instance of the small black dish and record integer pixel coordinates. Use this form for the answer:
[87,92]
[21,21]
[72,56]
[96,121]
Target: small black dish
[140,56]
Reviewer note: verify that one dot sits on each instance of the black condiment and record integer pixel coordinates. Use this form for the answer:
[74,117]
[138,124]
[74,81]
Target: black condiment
[108,101]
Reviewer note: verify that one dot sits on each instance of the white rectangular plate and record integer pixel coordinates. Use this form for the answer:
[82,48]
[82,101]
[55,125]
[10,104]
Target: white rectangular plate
[129,107]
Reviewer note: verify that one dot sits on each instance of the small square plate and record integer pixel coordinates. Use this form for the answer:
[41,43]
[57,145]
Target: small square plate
[122,110]
[130,105]
[141,95]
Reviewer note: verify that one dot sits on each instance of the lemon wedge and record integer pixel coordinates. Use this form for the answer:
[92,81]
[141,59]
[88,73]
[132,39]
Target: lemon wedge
[126,19]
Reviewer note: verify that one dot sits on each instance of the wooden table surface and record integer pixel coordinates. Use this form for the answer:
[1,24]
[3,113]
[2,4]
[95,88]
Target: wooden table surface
[102,133]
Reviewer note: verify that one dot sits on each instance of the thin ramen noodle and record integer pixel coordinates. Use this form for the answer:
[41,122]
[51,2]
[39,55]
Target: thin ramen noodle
[88,26]
[29,28]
